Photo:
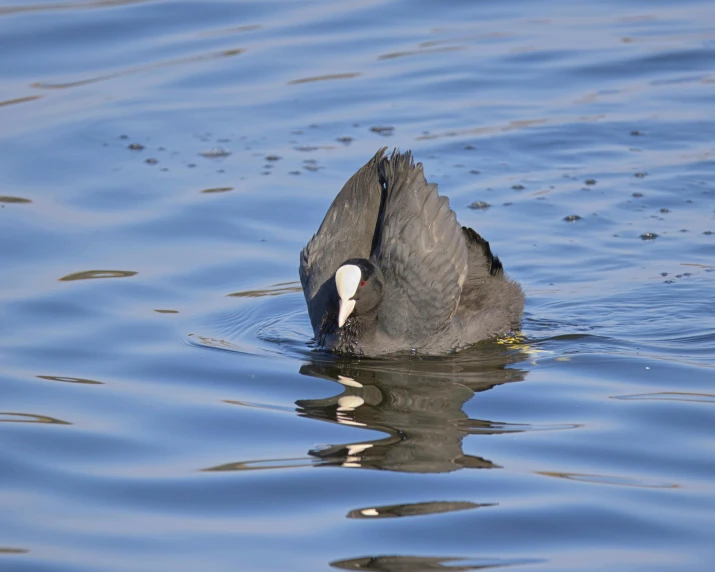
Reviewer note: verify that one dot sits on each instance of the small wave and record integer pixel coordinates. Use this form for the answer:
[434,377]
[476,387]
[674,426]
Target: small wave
[7,417]
[608,480]
[682,396]
[271,322]
[425,563]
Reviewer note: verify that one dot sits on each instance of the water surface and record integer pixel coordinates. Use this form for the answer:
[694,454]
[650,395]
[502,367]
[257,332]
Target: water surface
[163,163]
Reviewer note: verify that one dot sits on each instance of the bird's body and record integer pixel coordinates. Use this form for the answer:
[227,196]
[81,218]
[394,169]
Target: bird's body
[390,269]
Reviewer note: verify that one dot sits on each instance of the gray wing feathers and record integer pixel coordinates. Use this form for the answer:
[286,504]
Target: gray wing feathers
[347,231]
[421,251]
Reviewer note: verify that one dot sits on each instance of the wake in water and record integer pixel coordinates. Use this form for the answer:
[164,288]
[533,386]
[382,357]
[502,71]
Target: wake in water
[271,322]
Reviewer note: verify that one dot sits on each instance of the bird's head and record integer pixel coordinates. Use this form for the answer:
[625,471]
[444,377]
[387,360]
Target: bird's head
[359,285]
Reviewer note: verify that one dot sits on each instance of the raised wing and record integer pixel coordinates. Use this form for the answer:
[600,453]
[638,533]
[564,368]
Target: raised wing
[481,262]
[421,251]
[347,231]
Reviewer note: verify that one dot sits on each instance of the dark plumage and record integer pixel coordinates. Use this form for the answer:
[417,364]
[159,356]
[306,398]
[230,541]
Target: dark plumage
[392,264]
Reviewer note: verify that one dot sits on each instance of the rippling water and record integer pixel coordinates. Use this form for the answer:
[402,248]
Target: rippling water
[162,164]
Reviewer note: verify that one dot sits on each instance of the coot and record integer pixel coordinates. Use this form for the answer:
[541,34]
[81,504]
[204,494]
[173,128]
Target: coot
[391,270]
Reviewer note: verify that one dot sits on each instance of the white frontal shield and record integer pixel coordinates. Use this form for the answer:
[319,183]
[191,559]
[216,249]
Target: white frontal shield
[347,280]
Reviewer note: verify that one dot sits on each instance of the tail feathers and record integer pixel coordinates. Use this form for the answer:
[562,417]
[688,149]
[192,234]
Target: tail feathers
[476,246]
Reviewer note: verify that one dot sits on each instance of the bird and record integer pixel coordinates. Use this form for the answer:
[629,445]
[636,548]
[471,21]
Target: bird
[390,269]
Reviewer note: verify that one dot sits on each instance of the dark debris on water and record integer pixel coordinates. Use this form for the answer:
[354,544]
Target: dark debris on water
[385,130]
[216,152]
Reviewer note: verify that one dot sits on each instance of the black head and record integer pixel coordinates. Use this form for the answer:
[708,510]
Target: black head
[359,285]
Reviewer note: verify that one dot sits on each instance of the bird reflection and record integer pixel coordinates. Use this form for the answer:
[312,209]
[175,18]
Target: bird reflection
[416,402]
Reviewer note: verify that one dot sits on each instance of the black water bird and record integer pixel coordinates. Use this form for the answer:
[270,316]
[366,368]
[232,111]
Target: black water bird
[391,270]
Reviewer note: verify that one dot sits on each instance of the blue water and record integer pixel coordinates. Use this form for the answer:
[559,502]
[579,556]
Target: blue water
[162,163]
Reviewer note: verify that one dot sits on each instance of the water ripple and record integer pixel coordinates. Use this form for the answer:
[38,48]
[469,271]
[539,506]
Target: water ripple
[138,69]
[30,418]
[94,274]
[14,200]
[681,396]
[385,563]
[70,379]
[608,480]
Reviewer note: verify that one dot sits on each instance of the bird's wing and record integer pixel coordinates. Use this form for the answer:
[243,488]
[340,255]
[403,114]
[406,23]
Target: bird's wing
[481,262]
[347,231]
[421,252]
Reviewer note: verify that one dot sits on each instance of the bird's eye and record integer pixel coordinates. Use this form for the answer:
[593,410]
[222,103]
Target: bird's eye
[363,283]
